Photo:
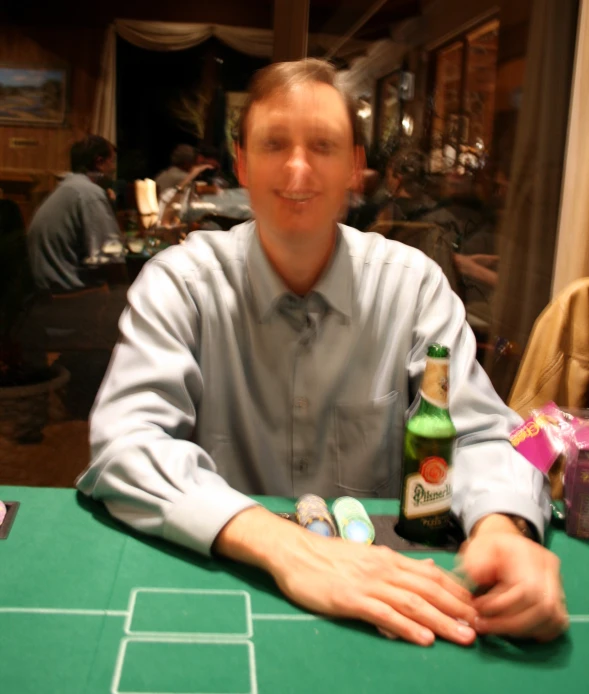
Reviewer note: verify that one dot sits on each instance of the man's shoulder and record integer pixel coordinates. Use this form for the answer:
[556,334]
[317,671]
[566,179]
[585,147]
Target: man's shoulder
[81,186]
[375,250]
[206,252]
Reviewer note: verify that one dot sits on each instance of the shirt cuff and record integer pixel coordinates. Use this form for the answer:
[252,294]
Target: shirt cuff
[513,504]
[196,520]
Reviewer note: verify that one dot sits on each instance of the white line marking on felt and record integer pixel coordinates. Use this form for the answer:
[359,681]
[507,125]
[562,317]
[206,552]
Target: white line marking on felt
[65,611]
[253,671]
[287,617]
[116,680]
[249,632]
[573,618]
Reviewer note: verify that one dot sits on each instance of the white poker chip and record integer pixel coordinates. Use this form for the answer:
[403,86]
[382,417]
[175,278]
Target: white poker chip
[2,512]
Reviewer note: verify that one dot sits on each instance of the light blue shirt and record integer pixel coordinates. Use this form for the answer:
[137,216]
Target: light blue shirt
[225,384]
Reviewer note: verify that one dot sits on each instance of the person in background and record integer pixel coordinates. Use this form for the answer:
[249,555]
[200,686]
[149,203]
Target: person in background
[182,159]
[186,164]
[75,231]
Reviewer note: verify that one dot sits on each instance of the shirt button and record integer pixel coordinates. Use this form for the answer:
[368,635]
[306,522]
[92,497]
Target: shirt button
[303,464]
[301,403]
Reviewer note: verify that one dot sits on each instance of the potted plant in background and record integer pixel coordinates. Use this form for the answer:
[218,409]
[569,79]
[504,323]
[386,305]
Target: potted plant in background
[24,386]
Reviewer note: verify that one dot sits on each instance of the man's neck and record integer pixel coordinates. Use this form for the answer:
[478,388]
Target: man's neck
[300,266]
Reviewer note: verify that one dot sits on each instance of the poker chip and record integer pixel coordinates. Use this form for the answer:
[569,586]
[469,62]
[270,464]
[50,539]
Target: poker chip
[352,520]
[313,514]
[2,512]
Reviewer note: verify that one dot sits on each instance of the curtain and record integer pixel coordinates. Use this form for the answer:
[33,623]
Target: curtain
[380,59]
[169,36]
[572,256]
[104,114]
[528,230]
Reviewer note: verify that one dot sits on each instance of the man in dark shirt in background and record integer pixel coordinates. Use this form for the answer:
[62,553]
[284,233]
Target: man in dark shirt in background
[73,238]
[75,230]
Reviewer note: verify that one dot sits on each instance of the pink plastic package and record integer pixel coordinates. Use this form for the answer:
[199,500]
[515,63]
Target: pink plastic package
[545,435]
[550,435]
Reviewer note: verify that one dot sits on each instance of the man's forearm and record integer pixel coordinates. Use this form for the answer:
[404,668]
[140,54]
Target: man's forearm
[258,537]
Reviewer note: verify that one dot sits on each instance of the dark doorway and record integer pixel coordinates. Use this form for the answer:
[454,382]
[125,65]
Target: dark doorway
[149,83]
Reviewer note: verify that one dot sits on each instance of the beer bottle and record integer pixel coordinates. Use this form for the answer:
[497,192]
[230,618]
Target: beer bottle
[428,447]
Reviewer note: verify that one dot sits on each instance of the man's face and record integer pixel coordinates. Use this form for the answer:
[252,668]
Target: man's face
[108,165]
[298,163]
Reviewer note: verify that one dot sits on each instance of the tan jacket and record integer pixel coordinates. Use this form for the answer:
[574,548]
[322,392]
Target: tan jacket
[555,365]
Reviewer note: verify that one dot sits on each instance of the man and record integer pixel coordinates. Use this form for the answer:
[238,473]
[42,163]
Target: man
[279,358]
[186,165]
[75,231]
[182,159]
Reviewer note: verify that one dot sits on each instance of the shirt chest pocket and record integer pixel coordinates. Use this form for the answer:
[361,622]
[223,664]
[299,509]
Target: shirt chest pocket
[366,446]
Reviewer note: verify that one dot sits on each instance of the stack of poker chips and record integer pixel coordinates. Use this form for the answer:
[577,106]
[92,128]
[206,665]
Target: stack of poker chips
[313,514]
[352,520]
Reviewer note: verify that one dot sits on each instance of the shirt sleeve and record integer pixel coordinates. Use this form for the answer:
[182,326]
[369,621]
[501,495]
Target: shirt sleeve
[489,475]
[144,466]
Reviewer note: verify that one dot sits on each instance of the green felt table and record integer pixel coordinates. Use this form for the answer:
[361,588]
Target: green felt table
[87,607]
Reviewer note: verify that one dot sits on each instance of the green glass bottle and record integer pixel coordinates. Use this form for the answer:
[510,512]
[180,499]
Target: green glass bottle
[428,450]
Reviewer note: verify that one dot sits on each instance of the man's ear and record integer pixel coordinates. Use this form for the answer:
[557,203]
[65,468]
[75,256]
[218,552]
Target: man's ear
[359,164]
[240,166]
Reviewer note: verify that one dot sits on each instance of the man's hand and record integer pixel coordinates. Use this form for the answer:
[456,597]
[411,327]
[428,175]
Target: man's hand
[197,170]
[470,266]
[402,597]
[526,598]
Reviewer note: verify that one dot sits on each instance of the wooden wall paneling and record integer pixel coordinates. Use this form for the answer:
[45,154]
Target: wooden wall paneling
[79,50]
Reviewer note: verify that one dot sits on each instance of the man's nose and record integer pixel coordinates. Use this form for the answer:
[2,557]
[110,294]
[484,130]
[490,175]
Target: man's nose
[298,166]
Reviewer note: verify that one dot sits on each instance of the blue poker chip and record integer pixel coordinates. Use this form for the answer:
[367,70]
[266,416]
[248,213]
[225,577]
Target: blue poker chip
[358,531]
[321,528]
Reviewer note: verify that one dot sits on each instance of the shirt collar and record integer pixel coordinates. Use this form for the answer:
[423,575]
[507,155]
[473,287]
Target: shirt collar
[334,285]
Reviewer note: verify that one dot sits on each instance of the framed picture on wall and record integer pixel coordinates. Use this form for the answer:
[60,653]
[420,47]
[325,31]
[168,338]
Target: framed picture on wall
[33,95]
[234,106]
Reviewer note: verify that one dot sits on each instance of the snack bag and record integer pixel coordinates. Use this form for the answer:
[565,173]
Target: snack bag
[546,439]
[557,443]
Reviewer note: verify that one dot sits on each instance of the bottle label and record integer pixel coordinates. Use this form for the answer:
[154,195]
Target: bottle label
[434,387]
[425,498]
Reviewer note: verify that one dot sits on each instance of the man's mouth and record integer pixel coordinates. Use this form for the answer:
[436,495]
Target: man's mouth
[296,197]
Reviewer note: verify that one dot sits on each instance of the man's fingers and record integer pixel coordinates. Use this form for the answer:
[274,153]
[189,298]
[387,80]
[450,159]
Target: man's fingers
[412,606]
[439,576]
[534,622]
[551,631]
[384,617]
[443,600]
[500,602]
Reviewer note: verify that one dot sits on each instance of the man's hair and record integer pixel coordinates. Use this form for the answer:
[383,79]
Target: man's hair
[183,156]
[281,77]
[84,153]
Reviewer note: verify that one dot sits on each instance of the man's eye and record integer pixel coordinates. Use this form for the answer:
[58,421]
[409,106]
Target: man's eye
[272,144]
[323,146]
